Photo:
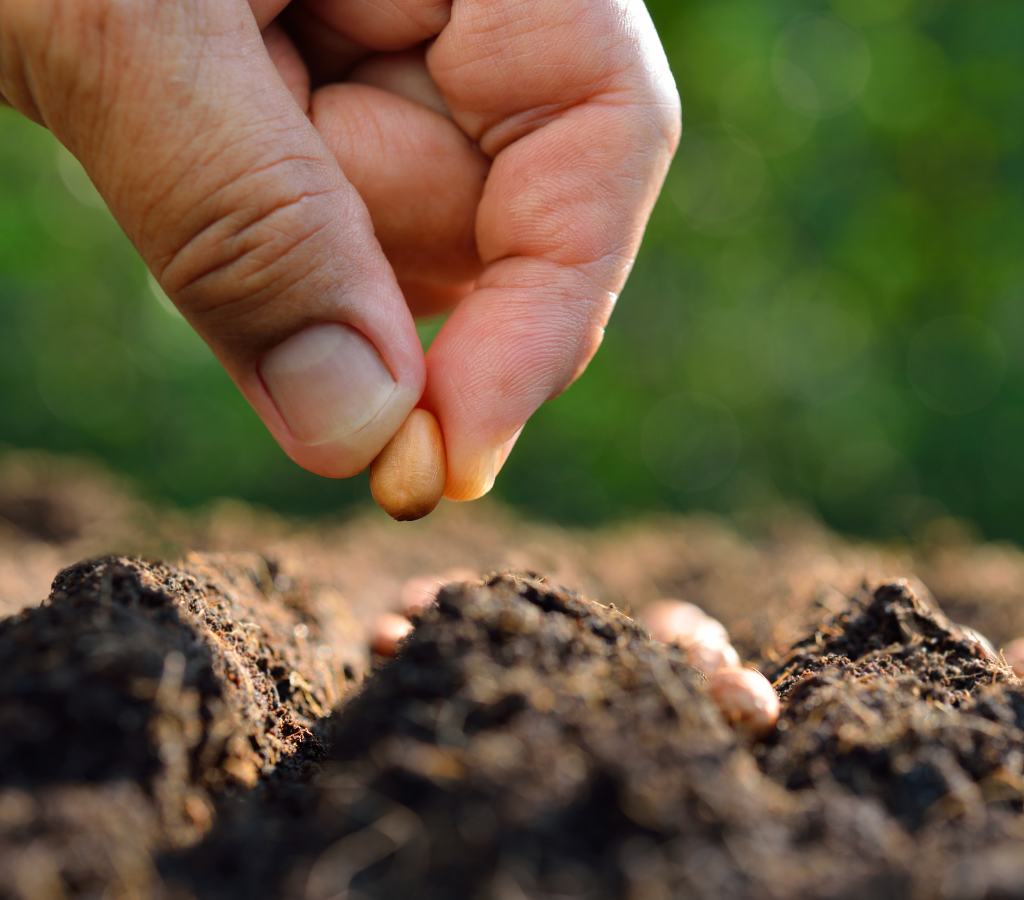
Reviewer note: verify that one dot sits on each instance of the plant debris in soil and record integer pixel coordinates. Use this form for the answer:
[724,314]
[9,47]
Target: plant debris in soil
[168,732]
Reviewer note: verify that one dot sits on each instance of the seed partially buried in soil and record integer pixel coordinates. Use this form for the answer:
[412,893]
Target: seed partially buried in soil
[1013,653]
[682,623]
[408,476]
[711,655]
[388,631]
[420,591]
[746,699]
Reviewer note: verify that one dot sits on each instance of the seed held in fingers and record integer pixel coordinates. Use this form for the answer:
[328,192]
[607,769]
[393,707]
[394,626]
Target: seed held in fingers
[388,630]
[746,699]
[407,478]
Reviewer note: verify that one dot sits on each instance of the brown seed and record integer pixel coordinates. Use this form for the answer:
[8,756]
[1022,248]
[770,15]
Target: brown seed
[984,644]
[1013,653]
[421,591]
[711,655]
[746,699]
[674,621]
[407,477]
[388,630]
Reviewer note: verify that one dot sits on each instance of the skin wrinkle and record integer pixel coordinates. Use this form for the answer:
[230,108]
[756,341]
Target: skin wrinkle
[235,310]
[167,223]
[387,141]
[28,79]
[215,198]
[513,128]
[235,235]
[526,315]
[254,299]
[419,175]
[420,30]
[529,226]
[208,153]
[505,382]
[505,51]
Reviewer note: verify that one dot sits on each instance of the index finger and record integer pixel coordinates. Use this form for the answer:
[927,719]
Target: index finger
[576,104]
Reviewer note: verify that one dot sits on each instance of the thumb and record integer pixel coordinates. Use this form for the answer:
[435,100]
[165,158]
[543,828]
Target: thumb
[237,207]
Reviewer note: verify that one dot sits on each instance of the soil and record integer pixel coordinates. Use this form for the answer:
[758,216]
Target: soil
[214,727]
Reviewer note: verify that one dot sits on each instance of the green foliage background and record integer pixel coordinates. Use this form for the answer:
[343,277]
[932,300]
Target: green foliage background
[828,308]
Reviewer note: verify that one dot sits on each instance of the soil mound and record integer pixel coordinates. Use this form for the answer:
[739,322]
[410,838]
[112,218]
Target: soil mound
[167,734]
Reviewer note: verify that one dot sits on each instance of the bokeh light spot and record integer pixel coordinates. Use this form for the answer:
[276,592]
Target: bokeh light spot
[1004,455]
[750,101]
[908,79]
[819,342]
[716,179]
[76,180]
[820,64]
[956,364]
[871,12]
[864,469]
[88,381]
[690,442]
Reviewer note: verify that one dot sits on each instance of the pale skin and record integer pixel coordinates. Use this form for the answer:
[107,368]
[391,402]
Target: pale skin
[362,162]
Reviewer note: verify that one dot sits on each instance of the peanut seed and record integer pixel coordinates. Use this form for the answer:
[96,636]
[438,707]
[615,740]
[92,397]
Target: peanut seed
[673,621]
[407,478]
[746,699]
[1013,653]
[711,655]
[420,591]
[388,630]
[983,643]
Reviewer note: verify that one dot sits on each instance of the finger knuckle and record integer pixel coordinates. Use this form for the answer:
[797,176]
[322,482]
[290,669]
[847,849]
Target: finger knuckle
[247,242]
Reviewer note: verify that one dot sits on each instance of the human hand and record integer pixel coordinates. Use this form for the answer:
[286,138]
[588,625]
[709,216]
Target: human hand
[508,170]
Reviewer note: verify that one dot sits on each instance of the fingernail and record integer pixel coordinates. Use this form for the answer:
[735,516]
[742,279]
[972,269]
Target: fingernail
[327,381]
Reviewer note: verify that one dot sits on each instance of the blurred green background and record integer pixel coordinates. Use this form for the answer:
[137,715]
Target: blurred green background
[828,308]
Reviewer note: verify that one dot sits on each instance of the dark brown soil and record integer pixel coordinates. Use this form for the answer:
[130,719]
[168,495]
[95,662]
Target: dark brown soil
[131,700]
[166,730]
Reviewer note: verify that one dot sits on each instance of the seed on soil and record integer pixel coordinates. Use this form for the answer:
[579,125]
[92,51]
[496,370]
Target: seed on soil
[674,621]
[1013,653]
[983,642]
[388,630]
[711,655]
[420,591]
[746,699]
[408,476]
